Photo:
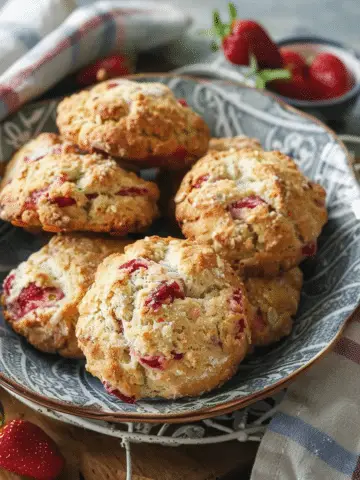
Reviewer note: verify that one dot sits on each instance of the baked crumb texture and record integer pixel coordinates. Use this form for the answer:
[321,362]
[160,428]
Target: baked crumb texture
[41,296]
[170,181]
[143,123]
[56,186]
[227,144]
[275,302]
[254,207]
[168,318]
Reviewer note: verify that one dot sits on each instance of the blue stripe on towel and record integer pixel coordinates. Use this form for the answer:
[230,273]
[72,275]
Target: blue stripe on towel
[108,35]
[316,442]
[74,36]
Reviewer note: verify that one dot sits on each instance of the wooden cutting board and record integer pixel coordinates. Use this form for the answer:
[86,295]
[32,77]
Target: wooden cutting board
[93,456]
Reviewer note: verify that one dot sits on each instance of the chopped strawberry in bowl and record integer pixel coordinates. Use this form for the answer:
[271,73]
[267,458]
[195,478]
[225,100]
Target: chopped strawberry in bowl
[325,76]
[314,74]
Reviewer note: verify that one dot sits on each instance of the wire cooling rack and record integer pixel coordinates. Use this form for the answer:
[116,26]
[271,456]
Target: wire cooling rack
[245,425]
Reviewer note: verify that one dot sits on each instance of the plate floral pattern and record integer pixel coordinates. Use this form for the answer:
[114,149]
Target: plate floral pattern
[331,291]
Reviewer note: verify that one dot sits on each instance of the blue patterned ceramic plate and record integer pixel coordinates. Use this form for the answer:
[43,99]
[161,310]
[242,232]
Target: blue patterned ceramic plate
[331,291]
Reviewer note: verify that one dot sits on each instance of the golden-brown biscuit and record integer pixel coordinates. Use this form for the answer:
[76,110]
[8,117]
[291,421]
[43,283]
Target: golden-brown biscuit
[42,294]
[237,143]
[170,181]
[55,186]
[142,123]
[255,208]
[275,301]
[169,318]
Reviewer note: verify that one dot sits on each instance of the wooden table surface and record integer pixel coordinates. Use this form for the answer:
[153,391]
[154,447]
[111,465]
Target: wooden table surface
[93,456]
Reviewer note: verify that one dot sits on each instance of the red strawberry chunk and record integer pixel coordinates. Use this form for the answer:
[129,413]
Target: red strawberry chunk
[180,153]
[165,294]
[33,297]
[236,208]
[153,361]
[32,200]
[236,301]
[200,181]
[64,201]
[133,192]
[61,179]
[258,322]
[215,340]
[8,283]
[118,394]
[133,265]
[27,450]
[183,102]
[240,327]
[310,249]
[112,85]
[56,150]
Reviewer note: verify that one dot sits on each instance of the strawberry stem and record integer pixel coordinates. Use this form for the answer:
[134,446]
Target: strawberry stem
[268,75]
[217,24]
[220,29]
[232,12]
[262,77]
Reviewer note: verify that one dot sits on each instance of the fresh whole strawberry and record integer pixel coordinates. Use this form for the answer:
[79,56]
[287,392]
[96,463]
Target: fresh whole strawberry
[300,85]
[103,69]
[242,38]
[325,78]
[293,61]
[27,450]
[330,76]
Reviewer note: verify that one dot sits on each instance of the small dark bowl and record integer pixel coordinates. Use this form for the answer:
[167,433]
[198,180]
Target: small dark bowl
[336,108]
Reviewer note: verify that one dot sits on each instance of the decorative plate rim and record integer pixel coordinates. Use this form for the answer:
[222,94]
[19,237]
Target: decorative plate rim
[227,406]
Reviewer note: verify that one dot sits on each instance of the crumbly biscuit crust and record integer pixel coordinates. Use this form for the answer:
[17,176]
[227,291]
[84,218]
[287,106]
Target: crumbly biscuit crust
[254,207]
[42,294]
[139,122]
[168,318]
[275,301]
[234,143]
[170,182]
[54,185]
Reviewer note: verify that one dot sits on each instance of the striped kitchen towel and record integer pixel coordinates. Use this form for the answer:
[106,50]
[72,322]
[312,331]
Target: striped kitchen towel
[316,433]
[44,40]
